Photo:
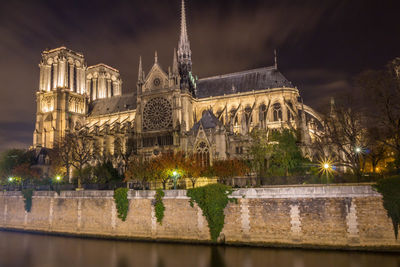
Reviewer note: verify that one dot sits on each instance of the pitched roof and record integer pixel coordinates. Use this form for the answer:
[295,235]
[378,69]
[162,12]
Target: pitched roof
[208,120]
[239,82]
[112,105]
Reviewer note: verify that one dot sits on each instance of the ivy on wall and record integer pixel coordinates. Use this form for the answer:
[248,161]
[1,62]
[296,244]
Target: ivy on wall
[121,202]
[390,190]
[27,194]
[212,199]
[159,205]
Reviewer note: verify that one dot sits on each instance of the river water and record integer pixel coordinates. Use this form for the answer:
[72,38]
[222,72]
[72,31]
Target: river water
[20,249]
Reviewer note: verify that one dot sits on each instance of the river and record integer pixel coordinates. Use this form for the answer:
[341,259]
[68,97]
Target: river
[20,250]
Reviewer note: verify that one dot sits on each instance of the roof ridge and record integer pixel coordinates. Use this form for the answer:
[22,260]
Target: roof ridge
[237,73]
[103,65]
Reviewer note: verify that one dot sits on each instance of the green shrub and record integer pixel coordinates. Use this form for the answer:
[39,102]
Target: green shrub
[212,199]
[390,190]
[159,205]
[27,194]
[121,202]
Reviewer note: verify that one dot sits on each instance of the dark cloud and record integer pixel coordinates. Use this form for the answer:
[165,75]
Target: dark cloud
[321,44]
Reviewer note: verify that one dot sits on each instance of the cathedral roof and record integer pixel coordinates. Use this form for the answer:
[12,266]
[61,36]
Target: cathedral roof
[240,82]
[113,104]
[208,120]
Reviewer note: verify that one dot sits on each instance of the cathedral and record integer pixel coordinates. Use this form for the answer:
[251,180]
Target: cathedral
[171,110]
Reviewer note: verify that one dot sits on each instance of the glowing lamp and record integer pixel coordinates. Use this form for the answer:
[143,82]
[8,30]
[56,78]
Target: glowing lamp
[58,178]
[10,179]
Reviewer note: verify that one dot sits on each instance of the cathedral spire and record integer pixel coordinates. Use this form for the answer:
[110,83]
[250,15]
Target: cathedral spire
[175,68]
[156,57]
[140,71]
[276,59]
[184,45]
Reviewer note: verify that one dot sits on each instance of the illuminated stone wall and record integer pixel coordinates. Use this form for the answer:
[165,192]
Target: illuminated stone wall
[323,216]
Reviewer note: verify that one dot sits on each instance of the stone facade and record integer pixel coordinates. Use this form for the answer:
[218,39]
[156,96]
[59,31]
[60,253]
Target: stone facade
[348,217]
[170,110]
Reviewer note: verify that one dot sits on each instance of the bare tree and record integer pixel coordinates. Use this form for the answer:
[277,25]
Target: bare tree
[345,135]
[382,89]
[81,150]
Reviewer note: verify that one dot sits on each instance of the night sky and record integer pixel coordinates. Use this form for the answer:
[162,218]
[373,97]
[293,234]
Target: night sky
[321,44]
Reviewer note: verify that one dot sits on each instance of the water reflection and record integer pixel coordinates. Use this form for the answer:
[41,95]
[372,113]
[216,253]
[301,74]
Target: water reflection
[17,249]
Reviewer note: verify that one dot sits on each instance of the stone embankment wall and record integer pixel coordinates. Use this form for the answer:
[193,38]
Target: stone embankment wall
[349,217]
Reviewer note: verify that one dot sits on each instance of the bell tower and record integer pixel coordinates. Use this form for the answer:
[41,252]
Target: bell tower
[61,98]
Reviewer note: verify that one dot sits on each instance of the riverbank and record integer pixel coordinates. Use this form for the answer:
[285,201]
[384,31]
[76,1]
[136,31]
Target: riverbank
[329,217]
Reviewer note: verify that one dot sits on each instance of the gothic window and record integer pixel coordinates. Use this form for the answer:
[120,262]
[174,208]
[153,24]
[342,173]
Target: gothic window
[277,111]
[157,114]
[203,154]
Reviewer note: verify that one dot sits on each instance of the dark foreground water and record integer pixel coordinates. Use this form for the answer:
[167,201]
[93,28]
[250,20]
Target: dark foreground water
[18,249]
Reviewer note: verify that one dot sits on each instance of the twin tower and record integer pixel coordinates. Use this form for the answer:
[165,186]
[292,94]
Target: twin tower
[69,89]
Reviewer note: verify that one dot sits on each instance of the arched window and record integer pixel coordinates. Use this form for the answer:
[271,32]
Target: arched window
[203,154]
[277,111]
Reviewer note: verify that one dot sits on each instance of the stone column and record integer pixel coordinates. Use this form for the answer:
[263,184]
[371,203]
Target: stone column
[245,217]
[82,81]
[351,221]
[55,76]
[47,79]
[61,73]
[95,91]
[109,93]
[71,78]
[295,221]
[78,80]
[88,89]
[41,79]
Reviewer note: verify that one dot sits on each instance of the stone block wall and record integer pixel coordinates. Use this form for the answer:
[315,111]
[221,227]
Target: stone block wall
[349,217]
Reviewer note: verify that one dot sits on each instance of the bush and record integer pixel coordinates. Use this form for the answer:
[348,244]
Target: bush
[390,190]
[212,199]
[27,194]
[159,205]
[121,202]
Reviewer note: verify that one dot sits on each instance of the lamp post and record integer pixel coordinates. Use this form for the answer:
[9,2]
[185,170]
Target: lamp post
[175,176]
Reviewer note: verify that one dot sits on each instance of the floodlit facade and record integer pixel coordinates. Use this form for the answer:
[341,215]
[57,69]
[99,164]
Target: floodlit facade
[171,110]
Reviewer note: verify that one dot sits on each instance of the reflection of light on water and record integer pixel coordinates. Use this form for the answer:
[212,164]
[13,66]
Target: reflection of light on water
[247,261]
[298,262]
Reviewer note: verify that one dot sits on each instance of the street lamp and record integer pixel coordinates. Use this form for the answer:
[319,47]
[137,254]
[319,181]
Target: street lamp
[175,176]
[358,149]
[58,178]
[10,179]
[326,168]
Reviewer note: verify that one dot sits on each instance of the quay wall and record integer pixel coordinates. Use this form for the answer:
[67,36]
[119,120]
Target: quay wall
[344,217]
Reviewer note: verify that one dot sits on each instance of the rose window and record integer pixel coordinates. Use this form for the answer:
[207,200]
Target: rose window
[157,114]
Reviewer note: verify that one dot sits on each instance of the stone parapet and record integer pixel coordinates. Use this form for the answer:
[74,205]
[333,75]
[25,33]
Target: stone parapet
[329,216]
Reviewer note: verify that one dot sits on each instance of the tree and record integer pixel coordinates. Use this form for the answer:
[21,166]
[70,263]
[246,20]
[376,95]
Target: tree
[345,133]
[229,168]
[286,157]
[26,173]
[192,169]
[11,158]
[63,152]
[76,149]
[139,169]
[260,151]
[381,89]
[106,173]
[164,166]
